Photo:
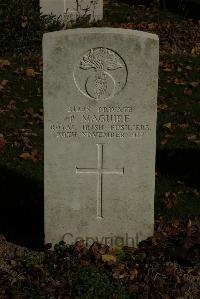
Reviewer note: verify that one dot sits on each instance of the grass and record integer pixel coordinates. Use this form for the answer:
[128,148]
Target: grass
[178,139]
[152,271]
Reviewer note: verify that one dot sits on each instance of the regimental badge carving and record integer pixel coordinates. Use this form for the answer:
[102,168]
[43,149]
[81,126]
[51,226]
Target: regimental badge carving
[100,74]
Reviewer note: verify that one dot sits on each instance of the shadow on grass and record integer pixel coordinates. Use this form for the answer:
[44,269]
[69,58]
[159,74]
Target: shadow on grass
[181,164]
[21,209]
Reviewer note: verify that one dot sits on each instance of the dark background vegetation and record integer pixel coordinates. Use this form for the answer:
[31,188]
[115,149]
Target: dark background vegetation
[177,134]
[165,266]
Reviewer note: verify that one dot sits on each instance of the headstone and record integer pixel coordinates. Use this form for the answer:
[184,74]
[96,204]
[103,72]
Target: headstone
[55,7]
[73,9]
[100,95]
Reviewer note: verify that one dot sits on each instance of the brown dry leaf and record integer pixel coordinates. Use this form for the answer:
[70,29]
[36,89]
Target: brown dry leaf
[3,63]
[179,81]
[3,83]
[27,142]
[188,67]
[194,84]
[12,105]
[169,136]
[84,263]
[183,126]
[162,107]
[133,274]
[189,223]
[163,142]
[167,69]
[173,113]
[118,271]
[152,26]
[26,156]
[197,141]
[30,72]
[188,91]
[19,70]
[2,238]
[2,141]
[171,271]
[79,246]
[170,200]
[97,250]
[196,49]
[29,110]
[134,288]
[167,194]
[24,22]
[109,258]
[168,126]
[196,193]
[175,223]
[37,116]
[193,235]
[191,137]
[33,156]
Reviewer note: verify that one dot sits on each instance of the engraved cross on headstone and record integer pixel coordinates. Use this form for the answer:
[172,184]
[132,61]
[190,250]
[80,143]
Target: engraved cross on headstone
[100,171]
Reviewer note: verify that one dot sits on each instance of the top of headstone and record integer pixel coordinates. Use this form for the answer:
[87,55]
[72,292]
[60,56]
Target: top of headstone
[104,30]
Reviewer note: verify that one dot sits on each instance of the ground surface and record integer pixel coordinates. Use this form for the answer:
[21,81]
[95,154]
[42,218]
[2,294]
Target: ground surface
[166,266]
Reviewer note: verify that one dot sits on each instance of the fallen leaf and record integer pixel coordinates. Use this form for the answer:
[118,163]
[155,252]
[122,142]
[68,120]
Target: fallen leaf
[12,105]
[109,258]
[2,141]
[163,142]
[30,72]
[27,142]
[193,236]
[179,81]
[167,69]
[170,270]
[3,83]
[33,156]
[152,26]
[188,91]
[2,238]
[183,126]
[194,84]
[79,246]
[196,192]
[162,107]
[25,156]
[168,125]
[133,274]
[191,137]
[84,263]
[37,116]
[170,200]
[188,68]
[3,63]
[118,271]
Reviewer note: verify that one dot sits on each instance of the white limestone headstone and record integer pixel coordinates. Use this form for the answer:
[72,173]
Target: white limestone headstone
[73,9]
[100,95]
[55,7]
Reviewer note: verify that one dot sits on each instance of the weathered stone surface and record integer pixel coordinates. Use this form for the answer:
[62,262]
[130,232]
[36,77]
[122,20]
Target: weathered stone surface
[72,9]
[55,7]
[100,90]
